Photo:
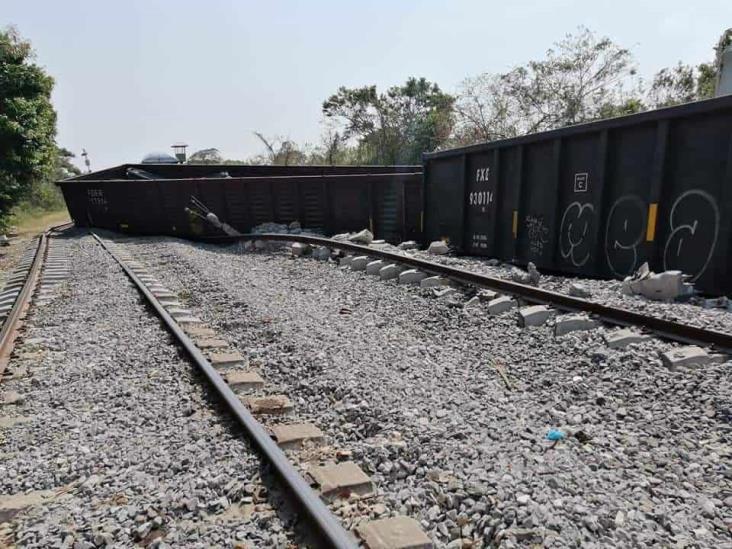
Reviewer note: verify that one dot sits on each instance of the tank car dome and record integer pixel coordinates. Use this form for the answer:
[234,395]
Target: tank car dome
[159,158]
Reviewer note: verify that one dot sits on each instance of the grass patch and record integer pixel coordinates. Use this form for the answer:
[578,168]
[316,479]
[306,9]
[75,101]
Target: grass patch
[36,220]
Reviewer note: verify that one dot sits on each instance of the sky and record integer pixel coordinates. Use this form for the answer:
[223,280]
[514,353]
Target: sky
[135,76]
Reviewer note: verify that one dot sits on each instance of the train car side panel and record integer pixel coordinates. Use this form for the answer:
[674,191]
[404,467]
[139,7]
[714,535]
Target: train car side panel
[445,201]
[536,235]
[692,209]
[580,200]
[624,244]
[602,198]
[482,206]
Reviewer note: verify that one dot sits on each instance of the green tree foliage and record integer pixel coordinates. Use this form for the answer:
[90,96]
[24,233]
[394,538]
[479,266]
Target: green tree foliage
[684,83]
[583,77]
[42,194]
[27,121]
[332,150]
[394,127]
[674,85]
[279,151]
[706,80]
[63,167]
[485,110]
[206,156]
[211,156]
[631,105]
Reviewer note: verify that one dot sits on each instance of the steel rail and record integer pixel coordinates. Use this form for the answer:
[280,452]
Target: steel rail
[8,332]
[332,532]
[667,329]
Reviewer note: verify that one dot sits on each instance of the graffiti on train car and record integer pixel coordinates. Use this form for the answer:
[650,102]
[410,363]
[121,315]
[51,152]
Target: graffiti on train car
[624,232]
[694,230]
[597,199]
[537,233]
[574,232]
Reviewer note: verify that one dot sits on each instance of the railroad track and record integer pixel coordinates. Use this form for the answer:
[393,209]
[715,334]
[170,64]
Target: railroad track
[198,342]
[331,532]
[189,332]
[44,268]
[666,329]
[16,295]
[383,354]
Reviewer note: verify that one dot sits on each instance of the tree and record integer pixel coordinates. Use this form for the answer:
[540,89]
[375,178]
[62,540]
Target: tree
[583,77]
[672,86]
[63,168]
[42,193]
[631,105]
[397,126]
[279,151]
[333,149]
[684,83]
[580,77]
[206,156]
[485,110]
[27,121]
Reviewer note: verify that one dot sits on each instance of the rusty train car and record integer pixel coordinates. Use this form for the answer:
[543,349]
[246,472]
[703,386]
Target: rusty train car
[596,199]
[153,198]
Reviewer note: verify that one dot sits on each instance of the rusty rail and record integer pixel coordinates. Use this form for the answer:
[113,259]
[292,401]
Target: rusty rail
[9,330]
[326,527]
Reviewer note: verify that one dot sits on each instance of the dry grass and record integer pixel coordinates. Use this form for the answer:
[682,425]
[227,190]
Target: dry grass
[28,225]
[32,223]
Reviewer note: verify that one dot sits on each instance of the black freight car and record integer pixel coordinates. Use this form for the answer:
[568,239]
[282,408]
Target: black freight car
[596,199]
[152,198]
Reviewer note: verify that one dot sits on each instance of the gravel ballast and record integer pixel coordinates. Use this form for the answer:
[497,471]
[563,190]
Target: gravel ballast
[607,292]
[448,408]
[122,442]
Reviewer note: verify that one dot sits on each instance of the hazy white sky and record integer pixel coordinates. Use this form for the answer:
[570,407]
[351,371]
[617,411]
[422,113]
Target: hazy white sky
[135,76]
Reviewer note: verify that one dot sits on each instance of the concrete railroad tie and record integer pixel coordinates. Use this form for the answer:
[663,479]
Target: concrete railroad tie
[412,276]
[373,267]
[690,355]
[572,323]
[359,263]
[295,435]
[433,282]
[501,305]
[389,271]
[623,337]
[534,315]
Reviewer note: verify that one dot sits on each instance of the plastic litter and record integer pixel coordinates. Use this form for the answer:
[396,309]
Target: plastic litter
[555,435]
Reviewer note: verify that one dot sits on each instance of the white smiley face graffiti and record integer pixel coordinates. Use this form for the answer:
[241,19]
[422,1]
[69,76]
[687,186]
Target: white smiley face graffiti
[574,232]
[694,222]
[625,229]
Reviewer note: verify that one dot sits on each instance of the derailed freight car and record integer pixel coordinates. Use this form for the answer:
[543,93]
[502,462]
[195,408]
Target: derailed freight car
[152,198]
[596,199]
